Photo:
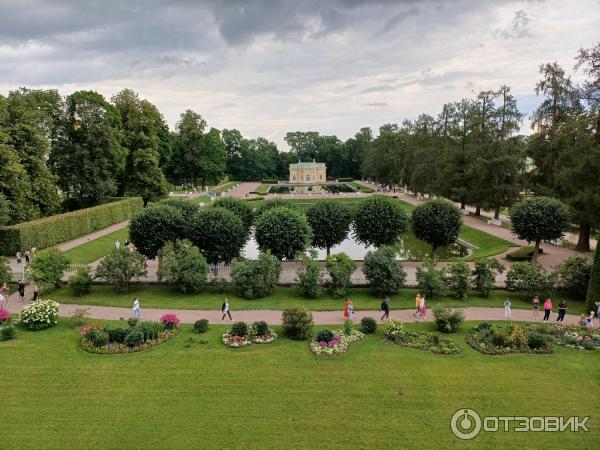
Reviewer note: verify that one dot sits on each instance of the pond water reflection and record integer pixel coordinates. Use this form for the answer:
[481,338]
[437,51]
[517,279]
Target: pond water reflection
[409,248]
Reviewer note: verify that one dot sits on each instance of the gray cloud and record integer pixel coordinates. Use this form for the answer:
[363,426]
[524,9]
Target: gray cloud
[268,66]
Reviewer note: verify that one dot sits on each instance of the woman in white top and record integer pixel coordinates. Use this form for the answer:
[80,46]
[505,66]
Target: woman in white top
[137,313]
[225,311]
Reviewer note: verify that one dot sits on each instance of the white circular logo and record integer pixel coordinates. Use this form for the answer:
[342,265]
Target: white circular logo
[465,424]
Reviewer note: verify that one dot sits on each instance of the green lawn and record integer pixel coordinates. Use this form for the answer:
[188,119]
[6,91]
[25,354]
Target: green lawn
[262,189]
[360,187]
[224,187]
[279,396]
[488,245]
[156,296]
[97,248]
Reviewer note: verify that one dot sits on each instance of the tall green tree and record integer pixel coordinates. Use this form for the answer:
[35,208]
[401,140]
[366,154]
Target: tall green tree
[330,223]
[143,126]
[593,291]
[88,156]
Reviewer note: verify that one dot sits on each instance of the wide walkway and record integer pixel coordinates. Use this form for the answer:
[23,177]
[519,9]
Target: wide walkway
[273,317]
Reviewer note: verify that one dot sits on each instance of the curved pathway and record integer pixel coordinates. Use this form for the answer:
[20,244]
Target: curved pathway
[273,317]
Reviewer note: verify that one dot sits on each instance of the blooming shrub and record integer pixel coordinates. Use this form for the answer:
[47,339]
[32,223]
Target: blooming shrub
[241,335]
[40,314]
[337,346]
[170,321]
[395,332]
[447,320]
[200,326]
[502,340]
[4,316]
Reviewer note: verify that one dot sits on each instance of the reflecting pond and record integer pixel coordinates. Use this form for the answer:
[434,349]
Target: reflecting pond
[409,248]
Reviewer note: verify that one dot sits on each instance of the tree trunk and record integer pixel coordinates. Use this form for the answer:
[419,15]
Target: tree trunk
[478,210]
[583,242]
[433,249]
[462,204]
[497,214]
[536,250]
[328,250]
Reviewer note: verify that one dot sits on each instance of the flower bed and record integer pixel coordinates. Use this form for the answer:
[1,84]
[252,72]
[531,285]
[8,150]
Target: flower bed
[336,342]
[117,347]
[136,337]
[242,335]
[396,333]
[573,336]
[503,340]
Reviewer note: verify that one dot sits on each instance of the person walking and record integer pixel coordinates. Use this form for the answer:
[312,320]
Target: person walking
[547,309]
[36,292]
[422,308]
[19,260]
[417,303]
[225,310]
[507,311]
[385,306]
[562,310]
[350,309]
[21,289]
[5,290]
[137,312]
[535,303]
[117,244]
[346,303]
[27,256]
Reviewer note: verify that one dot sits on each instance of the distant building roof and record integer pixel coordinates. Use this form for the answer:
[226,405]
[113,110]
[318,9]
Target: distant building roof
[306,165]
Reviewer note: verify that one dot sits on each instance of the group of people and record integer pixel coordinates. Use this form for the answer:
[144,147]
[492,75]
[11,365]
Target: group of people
[421,309]
[27,255]
[126,244]
[5,292]
[584,321]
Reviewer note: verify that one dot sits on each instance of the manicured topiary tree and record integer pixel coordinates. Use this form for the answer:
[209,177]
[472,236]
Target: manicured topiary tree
[379,221]
[436,222]
[218,233]
[272,204]
[593,291]
[283,231]
[239,207]
[182,266]
[185,207]
[539,219]
[152,227]
[383,271]
[330,223]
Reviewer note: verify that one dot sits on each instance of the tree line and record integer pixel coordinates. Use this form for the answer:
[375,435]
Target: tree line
[61,153]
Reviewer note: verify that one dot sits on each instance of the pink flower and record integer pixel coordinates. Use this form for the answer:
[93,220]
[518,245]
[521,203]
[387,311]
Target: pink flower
[170,320]
[4,315]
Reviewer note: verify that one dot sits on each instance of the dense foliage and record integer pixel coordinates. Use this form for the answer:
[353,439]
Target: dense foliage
[379,221]
[309,276]
[47,268]
[256,279]
[340,268]
[593,290]
[218,233]
[447,320]
[81,281]
[383,271]
[237,206]
[152,227]
[484,275]
[459,279]
[431,281]
[297,323]
[529,278]
[436,222]
[120,266]
[573,276]
[330,223]
[182,266]
[283,231]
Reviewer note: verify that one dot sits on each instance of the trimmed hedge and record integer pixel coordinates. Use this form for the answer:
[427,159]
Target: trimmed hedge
[49,231]
[345,179]
[523,254]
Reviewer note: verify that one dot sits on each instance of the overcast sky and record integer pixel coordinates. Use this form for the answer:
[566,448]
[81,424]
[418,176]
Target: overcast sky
[267,67]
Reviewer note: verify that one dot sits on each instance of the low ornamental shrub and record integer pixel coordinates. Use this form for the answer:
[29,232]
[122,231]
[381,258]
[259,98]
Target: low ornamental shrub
[134,337]
[528,278]
[309,276]
[49,231]
[447,320]
[260,328]
[340,268]
[324,335]
[396,333]
[7,332]
[239,329]
[39,315]
[524,253]
[297,323]
[170,321]
[132,321]
[502,340]
[117,335]
[256,279]
[200,326]
[384,273]
[151,330]
[79,317]
[368,325]
[81,282]
[431,280]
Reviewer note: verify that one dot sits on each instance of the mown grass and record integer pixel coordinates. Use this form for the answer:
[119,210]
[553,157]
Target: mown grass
[95,249]
[225,187]
[279,396]
[157,296]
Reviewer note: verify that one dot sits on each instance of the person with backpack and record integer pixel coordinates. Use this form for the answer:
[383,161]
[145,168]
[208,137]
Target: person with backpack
[225,310]
[385,307]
